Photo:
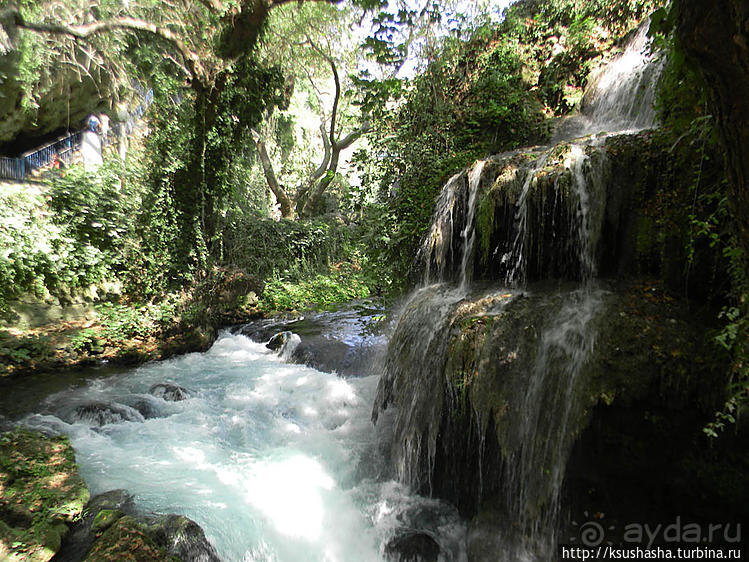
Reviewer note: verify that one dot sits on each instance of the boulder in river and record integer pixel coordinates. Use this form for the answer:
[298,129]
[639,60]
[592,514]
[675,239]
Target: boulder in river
[278,341]
[111,528]
[169,391]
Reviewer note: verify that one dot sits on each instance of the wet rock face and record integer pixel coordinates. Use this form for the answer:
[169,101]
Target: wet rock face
[497,390]
[111,527]
[412,547]
[169,391]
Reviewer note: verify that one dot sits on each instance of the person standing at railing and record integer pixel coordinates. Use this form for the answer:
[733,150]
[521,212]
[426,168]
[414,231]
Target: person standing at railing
[91,143]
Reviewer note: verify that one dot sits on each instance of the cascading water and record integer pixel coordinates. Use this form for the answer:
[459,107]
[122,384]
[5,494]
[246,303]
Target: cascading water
[437,246]
[526,390]
[622,93]
[277,462]
[468,234]
[515,257]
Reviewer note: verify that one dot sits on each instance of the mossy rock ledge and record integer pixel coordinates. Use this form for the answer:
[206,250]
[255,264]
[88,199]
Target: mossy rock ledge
[631,445]
[46,511]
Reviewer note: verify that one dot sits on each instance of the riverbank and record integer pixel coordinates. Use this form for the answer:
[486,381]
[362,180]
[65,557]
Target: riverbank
[120,332]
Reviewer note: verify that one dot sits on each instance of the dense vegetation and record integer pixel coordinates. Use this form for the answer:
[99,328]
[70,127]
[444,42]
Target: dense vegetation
[271,107]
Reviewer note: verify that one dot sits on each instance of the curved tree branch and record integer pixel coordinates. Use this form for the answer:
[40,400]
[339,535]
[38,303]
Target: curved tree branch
[192,59]
[353,136]
[336,99]
[317,174]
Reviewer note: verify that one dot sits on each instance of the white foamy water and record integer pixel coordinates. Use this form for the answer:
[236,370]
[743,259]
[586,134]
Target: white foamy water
[277,462]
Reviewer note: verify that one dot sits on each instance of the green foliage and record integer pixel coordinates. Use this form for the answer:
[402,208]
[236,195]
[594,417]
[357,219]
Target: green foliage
[487,89]
[19,350]
[265,247]
[198,139]
[74,234]
[122,322]
[341,284]
[96,210]
[33,250]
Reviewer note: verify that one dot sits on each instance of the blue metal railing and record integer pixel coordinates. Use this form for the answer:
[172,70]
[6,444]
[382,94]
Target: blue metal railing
[63,148]
[12,168]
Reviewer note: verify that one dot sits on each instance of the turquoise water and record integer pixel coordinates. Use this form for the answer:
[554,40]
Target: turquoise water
[275,461]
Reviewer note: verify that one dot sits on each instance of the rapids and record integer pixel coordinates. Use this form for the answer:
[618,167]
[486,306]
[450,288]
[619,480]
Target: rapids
[275,461]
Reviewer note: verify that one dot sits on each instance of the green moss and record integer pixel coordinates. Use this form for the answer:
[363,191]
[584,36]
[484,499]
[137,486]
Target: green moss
[126,539]
[485,226]
[40,490]
[105,518]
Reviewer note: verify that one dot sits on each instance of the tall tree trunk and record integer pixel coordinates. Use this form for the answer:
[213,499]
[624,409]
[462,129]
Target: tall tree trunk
[189,187]
[287,206]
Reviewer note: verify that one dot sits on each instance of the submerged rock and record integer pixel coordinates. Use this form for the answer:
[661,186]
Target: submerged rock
[103,413]
[148,406]
[169,391]
[413,546]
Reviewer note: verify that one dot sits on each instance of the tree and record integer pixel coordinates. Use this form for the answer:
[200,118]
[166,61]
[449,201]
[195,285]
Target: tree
[716,37]
[208,41]
[320,42]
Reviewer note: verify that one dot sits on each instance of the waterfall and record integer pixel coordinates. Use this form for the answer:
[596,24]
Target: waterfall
[437,245]
[493,380]
[515,258]
[621,95]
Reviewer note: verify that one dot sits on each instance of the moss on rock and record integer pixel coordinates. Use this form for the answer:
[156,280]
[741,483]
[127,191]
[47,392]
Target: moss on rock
[127,539]
[40,491]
